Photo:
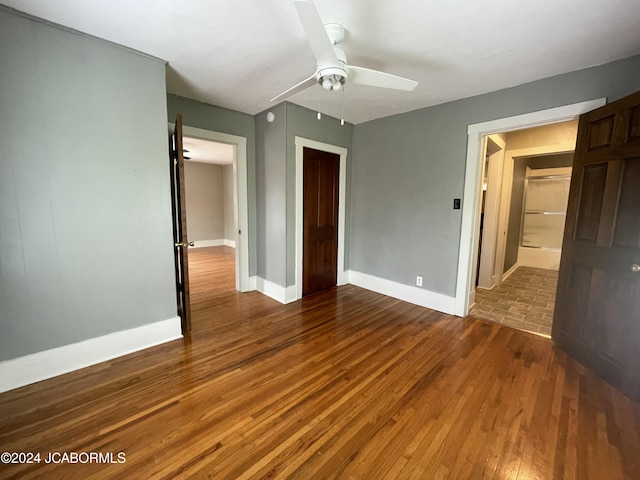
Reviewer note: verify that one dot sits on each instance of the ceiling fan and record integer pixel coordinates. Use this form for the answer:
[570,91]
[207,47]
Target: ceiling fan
[333,71]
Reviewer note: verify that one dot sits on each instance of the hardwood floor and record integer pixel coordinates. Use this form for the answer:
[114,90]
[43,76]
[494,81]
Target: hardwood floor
[343,384]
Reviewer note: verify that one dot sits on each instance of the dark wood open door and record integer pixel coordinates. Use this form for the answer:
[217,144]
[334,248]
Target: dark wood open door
[321,173]
[178,211]
[597,315]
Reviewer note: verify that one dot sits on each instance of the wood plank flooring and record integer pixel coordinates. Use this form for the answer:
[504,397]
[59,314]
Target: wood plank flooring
[343,384]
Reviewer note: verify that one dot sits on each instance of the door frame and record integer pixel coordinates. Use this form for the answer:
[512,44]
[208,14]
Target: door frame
[490,235]
[300,143]
[503,215]
[473,183]
[240,202]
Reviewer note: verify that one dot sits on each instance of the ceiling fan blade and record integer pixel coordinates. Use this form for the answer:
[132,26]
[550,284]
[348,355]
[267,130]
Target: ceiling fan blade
[374,78]
[316,34]
[309,82]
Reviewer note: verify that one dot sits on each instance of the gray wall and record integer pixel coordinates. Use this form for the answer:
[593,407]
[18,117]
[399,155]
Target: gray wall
[204,200]
[228,199]
[407,169]
[218,119]
[271,195]
[85,217]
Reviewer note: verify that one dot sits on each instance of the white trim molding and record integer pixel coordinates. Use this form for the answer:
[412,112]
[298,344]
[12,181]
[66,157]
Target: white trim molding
[240,198]
[472,182]
[35,367]
[300,143]
[407,293]
[229,243]
[279,293]
[508,273]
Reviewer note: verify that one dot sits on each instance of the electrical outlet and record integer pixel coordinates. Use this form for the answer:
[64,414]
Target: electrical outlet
[419,281]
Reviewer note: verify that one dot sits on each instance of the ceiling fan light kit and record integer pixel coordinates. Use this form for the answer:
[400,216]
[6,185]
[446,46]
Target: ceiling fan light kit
[332,81]
[332,70]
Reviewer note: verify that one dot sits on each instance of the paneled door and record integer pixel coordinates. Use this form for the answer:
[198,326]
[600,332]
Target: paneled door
[321,173]
[178,210]
[597,315]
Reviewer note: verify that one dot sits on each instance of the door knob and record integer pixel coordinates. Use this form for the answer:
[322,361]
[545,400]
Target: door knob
[635,268]
[184,244]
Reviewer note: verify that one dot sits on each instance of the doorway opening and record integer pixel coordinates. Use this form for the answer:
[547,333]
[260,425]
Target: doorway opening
[204,147]
[523,207]
[210,200]
[476,158]
[240,202]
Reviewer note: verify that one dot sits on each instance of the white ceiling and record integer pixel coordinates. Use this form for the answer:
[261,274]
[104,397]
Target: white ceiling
[241,53]
[206,151]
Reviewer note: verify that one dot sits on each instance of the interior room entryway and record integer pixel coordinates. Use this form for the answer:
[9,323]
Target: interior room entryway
[209,198]
[468,257]
[211,221]
[523,204]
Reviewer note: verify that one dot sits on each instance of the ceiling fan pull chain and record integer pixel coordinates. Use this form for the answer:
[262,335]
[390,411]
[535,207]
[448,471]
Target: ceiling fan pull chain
[342,113]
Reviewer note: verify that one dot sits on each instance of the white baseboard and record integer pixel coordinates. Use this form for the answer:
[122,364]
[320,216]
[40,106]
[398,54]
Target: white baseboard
[290,294]
[35,367]
[510,271]
[415,295]
[207,243]
[214,243]
[252,284]
[277,292]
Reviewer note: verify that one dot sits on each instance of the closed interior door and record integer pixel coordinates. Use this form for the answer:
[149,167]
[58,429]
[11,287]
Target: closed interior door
[321,172]
[597,316]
